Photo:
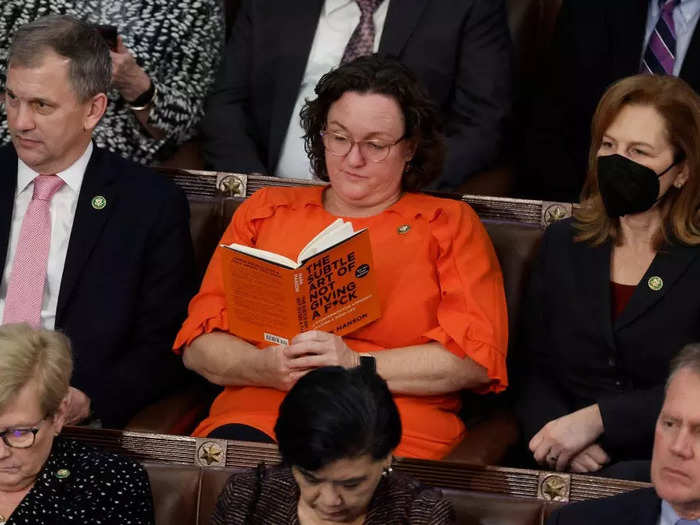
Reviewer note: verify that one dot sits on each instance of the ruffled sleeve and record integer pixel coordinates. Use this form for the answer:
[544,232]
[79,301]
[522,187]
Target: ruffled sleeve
[472,315]
[207,309]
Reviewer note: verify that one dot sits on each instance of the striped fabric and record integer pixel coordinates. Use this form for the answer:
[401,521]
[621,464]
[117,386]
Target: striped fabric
[660,54]
[270,496]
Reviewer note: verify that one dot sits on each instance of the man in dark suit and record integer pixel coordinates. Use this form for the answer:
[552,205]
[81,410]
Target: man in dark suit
[675,463]
[106,254]
[459,49]
[596,42]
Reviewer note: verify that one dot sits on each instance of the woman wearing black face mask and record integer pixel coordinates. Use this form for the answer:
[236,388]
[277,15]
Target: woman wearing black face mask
[616,291]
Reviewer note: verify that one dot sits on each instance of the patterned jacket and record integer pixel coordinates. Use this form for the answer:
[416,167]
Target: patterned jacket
[177,42]
[272,495]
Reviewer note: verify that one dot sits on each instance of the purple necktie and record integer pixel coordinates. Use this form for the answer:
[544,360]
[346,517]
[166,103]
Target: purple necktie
[361,42]
[661,49]
[25,289]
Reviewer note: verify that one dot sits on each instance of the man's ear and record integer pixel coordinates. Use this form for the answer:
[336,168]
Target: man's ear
[96,107]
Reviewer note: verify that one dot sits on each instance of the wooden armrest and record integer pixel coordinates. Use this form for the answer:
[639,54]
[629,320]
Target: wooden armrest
[488,441]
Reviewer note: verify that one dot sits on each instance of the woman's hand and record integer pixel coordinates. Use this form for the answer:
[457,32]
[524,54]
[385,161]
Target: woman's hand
[315,349]
[127,76]
[77,406]
[590,459]
[561,439]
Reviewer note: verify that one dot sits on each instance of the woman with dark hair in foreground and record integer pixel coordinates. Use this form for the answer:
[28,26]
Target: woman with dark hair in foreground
[337,429]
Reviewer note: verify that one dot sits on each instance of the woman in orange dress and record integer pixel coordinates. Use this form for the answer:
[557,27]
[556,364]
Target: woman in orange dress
[372,133]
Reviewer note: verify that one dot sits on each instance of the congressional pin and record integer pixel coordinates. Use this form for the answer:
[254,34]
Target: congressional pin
[403,228]
[62,473]
[99,202]
[655,283]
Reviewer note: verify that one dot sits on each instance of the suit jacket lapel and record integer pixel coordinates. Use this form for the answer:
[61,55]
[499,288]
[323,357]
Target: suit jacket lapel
[87,225]
[293,54]
[8,186]
[594,270]
[648,510]
[401,20]
[668,266]
[627,27]
[690,71]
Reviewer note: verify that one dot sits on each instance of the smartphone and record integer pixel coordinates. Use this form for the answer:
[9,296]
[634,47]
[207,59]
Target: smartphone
[109,34]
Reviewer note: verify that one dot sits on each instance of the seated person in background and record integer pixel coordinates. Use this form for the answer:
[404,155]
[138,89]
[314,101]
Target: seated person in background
[92,244]
[615,294]
[459,49]
[44,479]
[337,429]
[163,65]
[675,463]
[632,36]
[371,133]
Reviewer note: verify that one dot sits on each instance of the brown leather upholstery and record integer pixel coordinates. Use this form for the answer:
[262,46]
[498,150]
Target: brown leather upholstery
[515,227]
[185,485]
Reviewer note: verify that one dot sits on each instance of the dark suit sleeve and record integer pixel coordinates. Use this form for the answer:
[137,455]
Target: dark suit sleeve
[167,284]
[482,94]
[554,159]
[540,399]
[630,419]
[229,137]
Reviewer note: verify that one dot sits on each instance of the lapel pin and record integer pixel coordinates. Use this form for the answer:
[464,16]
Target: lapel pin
[62,473]
[99,202]
[403,228]
[655,283]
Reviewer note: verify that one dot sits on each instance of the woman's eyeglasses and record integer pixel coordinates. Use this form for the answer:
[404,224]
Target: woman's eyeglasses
[372,150]
[20,437]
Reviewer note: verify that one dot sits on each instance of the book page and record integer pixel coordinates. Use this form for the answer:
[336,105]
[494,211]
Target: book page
[335,233]
[262,254]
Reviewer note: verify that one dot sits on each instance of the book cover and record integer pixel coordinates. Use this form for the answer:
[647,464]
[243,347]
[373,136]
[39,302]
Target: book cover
[333,290]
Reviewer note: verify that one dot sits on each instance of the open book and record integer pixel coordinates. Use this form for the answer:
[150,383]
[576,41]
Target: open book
[330,287]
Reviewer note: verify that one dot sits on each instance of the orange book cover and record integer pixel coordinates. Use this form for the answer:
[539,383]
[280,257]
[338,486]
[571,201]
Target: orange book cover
[332,289]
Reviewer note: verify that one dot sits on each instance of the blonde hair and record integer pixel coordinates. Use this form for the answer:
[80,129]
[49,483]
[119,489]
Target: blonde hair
[28,354]
[679,107]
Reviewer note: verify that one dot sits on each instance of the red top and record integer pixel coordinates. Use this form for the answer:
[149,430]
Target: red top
[438,280]
[620,295]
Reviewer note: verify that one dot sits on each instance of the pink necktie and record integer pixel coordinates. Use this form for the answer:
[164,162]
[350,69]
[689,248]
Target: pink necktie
[25,290]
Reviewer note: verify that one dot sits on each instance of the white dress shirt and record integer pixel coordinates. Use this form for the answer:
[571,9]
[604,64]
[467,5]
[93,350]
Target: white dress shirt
[335,27]
[62,212]
[685,18]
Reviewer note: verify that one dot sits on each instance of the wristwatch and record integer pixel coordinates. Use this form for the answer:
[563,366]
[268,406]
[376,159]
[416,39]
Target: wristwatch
[144,100]
[368,362]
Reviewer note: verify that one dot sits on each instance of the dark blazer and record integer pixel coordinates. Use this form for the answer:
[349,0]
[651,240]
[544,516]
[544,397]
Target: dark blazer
[639,507]
[578,356]
[459,49]
[596,42]
[126,282]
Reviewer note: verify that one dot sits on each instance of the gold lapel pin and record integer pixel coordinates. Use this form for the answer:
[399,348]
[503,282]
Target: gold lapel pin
[403,228]
[62,473]
[655,283]
[99,202]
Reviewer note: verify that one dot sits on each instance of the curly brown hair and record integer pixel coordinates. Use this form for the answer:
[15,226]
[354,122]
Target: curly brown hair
[384,76]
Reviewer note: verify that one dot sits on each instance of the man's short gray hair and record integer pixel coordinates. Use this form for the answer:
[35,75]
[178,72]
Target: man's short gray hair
[90,69]
[687,359]
[34,354]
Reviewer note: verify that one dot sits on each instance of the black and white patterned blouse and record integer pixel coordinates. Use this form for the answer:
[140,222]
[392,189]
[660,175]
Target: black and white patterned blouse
[177,42]
[79,484]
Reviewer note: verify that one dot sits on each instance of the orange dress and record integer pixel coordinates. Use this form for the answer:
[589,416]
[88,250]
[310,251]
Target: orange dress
[438,281]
